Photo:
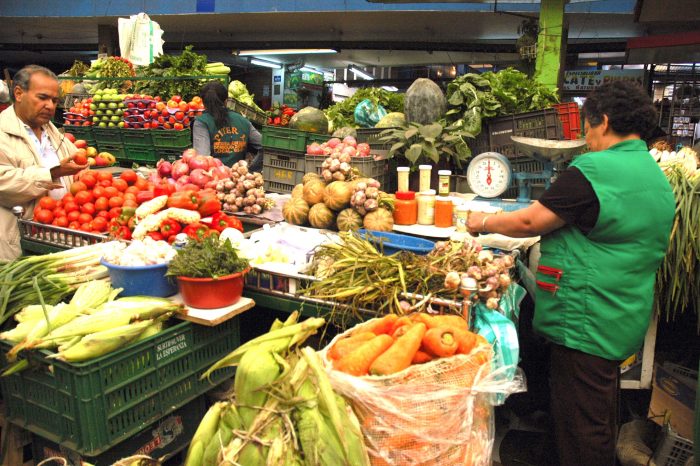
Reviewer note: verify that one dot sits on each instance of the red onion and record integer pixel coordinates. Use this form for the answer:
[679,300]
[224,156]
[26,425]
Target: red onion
[198,161]
[332,142]
[188,154]
[184,179]
[350,141]
[199,177]
[221,172]
[164,168]
[179,168]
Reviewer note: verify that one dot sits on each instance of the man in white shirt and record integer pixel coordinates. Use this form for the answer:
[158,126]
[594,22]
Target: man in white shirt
[35,158]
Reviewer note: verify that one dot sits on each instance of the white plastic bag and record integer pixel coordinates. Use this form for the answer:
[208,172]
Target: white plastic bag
[140,39]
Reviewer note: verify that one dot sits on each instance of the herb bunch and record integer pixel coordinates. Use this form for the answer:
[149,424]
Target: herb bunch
[343,113]
[180,68]
[208,258]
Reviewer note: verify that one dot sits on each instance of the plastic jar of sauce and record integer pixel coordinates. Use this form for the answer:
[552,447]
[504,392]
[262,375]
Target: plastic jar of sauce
[461,218]
[424,179]
[402,174]
[405,208]
[426,207]
[444,182]
[443,211]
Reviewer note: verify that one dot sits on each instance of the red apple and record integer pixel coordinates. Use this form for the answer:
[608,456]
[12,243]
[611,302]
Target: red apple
[80,143]
[70,137]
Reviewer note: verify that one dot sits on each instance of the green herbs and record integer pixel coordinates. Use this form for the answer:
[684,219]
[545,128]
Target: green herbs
[517,93]
[208,258]
[428,143]
[343,113]
[180,68]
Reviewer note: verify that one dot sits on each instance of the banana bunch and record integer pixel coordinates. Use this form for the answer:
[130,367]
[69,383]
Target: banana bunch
[282,410]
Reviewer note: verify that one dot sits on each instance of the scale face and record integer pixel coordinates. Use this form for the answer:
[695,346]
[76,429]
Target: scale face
[489,174]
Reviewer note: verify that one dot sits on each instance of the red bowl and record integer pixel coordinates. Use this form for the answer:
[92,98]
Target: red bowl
[211,293]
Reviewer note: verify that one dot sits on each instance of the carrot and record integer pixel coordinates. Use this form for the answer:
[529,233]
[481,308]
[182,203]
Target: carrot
[421,357]
[359,360]
[400,331]
[427,319]
[347,344]
[403,320]
[466,341]
[400,354]
[381,325]
[449,321]
[440,342]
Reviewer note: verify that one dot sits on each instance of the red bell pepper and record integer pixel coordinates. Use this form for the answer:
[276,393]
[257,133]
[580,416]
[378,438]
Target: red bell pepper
[169,227]
[221,221]
[155,235]
[144,196]
[126,215]
[288,111]
[118,231]
[184,200]
[209,204]
[196,231]
[164,188]
[276,121]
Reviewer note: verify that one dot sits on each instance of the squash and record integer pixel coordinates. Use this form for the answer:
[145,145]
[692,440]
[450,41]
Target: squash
[379,220]
[320,216]
[314,191]
[298,191]
[310,119]
[425,102]
[392,120]
[310,176]
[296,211]
[348,219]
[337,195]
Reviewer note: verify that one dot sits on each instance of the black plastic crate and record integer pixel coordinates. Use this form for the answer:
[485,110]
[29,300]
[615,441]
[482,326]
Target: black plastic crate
[496,132]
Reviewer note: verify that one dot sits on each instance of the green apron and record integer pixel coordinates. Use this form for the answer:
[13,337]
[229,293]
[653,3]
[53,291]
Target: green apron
[229,143]
[594,293]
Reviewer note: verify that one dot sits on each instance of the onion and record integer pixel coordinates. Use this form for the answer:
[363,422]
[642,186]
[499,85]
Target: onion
[332,142]
[164,168]
[220,172]
[350,141]
[198,161]
[314,149]
[200,177]
[188,154]
[504,280]
[452,281]
[179,168]
[492,303]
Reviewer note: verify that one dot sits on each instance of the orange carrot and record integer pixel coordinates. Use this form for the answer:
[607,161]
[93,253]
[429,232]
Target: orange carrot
[347,344]
[427,319]
[421,357]
[452,321]
[400,331]
[440,342]
[358,361]
[466,341]
[403,320]
[400,354]
[381,325]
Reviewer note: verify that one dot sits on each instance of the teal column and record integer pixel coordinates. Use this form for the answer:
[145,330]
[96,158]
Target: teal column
[550,43]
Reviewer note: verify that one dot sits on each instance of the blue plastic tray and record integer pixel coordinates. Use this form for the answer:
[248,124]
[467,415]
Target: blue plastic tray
[395,242]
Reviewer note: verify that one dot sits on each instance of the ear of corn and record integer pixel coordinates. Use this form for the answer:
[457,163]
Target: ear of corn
[205,431]
[257,370]
[81,326]
[100,343]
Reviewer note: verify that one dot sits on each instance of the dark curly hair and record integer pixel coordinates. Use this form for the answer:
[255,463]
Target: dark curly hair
[628,107]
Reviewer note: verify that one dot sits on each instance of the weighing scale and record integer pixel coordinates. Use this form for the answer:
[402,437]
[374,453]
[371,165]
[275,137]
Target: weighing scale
[490,174]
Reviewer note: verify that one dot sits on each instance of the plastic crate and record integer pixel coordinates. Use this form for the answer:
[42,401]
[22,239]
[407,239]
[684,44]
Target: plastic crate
[89,407]
[496,132]
[369,167]
[116,149]
[137,137]
[171,139]
[252,114]
[279,137]
[140,154]
[316,137]
[164,438]
[371,136]
[570,117]
[282,170]
[672,449]
[107,135]
[80,132]
[170,155]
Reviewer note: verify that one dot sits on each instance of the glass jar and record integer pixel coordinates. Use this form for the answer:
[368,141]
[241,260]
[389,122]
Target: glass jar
[461,218]
[426,207]
[424,179]
[405,208]
[443,211]
[402,174]
[444,182]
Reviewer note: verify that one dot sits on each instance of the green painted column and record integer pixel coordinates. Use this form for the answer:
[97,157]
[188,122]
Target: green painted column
[550,42]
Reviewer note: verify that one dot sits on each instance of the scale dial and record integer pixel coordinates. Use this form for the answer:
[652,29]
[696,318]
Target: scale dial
[489,174]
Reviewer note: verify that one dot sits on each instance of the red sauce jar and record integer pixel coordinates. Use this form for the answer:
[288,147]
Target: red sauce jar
[443,212]
[405,208]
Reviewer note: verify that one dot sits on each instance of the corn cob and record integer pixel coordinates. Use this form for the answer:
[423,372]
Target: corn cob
[100,343]
[31,313]
[205,431]
[153,221]
[81,326]
[257,370]
[150,331]
[230,422]
[141,307]
[151,207]
[20,332]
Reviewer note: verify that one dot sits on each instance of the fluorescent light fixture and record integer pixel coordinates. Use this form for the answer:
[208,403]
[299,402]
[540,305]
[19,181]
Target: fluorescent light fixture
[390,88]
[360,73]
[246,53]
[310,70]
[266,63]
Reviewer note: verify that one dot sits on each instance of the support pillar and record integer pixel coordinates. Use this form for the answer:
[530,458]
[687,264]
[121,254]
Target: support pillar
[551,43]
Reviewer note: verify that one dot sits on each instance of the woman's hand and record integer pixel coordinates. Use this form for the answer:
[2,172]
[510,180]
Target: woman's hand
[475,222]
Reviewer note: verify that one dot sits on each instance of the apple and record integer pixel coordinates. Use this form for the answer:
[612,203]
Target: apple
[100,161]
[91,152]
[108,157]
[91,161]
[80,157]
[179,116]
[178,126]
[70,137]
[176,98]
[80,143]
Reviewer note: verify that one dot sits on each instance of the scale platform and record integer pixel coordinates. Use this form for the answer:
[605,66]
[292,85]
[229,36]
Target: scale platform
[506,205]
[548,150]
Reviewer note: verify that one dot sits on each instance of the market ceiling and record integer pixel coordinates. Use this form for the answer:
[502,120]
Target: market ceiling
[375,36]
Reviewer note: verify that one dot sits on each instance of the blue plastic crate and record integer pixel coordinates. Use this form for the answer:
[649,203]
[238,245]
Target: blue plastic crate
[391,243]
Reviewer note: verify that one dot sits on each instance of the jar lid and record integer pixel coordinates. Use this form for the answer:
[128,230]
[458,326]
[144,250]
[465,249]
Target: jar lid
[402,169]
[444,199]
[444,172]
[429,192]
[425,167]
[405,195]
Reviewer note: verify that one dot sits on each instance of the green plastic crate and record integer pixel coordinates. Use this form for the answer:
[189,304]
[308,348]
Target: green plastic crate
[279,137]
[140,154]
[90,407]
[137,137]
[80,132]
[163,438]
[282,170]
[316,137]
[171,139]
[107,135]
[170,155]
[116,149]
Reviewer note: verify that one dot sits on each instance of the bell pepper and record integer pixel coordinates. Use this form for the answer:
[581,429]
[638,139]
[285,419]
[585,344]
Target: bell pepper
[276,121]
[126,215]
[144,196]
[131,224]
[209,204]
[184,200]
[155,235]
[118,231]
[164,187]
[288,111]
[196,231]
[170,227]
[220,221]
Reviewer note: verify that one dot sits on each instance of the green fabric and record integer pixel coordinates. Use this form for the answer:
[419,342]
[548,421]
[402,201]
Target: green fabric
[603,302]
[230,142]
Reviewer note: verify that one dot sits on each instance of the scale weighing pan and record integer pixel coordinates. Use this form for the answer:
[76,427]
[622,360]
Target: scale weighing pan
[551,150]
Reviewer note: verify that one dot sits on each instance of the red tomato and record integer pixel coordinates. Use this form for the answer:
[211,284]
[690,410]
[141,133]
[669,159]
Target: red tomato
[84,218]
[67,198]
[131,196]
[43,216]
[131,189]
[74,225]
[98,191]
[77,187]
[121,185]
[105,183]
[102,203]
[115,212]
[142,184]
[48,203]
[88,208]
[102,176]
[86,226]
[130,203]
[73,215]
[70,206]
[99,224]
[83,197]
[116,201]
[59,212]
[103,214]
[89,179]
[111,191]
[129,176]
[62,221]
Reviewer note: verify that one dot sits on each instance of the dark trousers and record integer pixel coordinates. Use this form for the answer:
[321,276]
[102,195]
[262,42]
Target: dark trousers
[584,398]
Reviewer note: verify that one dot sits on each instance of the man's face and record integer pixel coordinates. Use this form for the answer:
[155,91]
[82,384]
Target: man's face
[37,105]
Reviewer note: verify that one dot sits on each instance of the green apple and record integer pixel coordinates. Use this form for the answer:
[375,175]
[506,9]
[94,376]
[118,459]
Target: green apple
[102,124]
[119,112]
[115,118]
[112,105]
[99,112]
[102,105]
[109,112]
[120,124]
[95,119]
[93,107]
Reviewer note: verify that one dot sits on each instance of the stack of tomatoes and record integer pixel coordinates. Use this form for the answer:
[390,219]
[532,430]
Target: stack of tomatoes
[95,198]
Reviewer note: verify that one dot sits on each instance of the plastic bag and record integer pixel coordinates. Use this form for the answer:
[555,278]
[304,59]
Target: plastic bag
[140,39]
[437,413]
[368,114]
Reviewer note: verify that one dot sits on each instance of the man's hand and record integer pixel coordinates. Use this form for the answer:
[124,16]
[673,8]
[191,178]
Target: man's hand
[68,167]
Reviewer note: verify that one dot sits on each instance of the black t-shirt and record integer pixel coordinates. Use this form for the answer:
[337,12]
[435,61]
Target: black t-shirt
[573,199]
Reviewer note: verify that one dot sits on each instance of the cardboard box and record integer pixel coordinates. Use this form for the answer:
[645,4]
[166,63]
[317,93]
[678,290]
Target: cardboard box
[673,399]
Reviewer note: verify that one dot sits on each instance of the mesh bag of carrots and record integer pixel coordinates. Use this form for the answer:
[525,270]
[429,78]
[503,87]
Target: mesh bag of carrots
[421,386]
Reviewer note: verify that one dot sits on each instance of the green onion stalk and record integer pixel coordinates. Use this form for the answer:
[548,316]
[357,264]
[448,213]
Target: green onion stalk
[48,278]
